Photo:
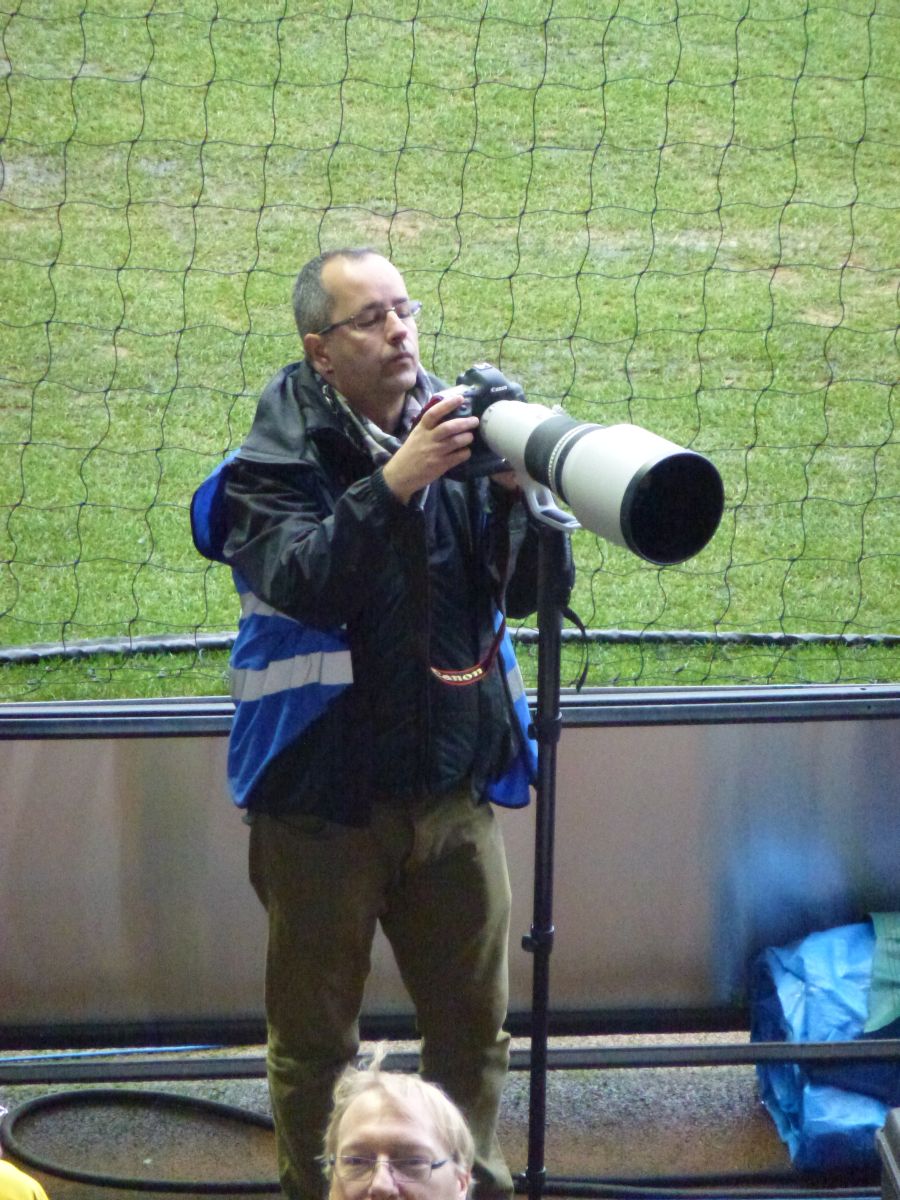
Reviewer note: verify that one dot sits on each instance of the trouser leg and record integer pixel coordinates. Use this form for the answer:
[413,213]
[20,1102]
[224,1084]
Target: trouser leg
[320,885]
[448,924]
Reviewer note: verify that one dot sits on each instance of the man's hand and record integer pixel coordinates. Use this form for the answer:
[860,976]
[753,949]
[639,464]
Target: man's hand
[436,445]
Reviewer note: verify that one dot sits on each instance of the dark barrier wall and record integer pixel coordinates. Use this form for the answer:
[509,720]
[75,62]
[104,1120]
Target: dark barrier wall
[692,829]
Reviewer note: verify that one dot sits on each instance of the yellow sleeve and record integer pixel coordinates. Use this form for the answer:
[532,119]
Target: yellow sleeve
[16,1185]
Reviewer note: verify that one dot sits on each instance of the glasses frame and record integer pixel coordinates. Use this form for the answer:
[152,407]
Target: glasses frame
[394,1165]
[415,307]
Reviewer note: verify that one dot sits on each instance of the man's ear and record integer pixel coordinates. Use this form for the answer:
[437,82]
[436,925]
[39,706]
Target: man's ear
[463,1182]
[317,353]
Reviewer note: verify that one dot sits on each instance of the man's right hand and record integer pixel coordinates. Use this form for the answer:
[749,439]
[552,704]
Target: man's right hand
[438,443]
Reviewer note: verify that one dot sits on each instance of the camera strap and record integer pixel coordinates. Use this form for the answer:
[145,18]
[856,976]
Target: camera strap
[477,672]
[474,674]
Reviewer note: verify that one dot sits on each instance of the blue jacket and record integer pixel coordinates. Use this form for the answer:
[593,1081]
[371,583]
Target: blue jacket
[299,738]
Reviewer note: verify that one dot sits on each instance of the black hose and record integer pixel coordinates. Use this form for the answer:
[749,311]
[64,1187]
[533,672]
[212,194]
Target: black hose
[57,1100]
[635,1188]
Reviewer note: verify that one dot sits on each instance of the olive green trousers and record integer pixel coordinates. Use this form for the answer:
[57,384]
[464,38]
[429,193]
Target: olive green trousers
[434,875]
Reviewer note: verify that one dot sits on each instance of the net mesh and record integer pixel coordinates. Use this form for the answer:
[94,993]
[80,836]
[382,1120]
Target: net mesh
[682,215]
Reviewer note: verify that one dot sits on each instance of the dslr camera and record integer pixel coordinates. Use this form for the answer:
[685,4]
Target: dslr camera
[480,386]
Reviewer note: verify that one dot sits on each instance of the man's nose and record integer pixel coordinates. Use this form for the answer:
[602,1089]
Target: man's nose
[383,1182]
[395,327]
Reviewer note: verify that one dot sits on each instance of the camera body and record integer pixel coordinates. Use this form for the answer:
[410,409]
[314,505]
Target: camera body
[480,386]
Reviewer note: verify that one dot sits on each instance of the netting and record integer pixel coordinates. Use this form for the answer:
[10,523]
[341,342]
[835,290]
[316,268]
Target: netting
[679,214]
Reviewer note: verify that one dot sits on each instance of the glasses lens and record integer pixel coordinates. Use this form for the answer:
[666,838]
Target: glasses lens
[352,1167]
[374,316]
[413,1170]
[368,318]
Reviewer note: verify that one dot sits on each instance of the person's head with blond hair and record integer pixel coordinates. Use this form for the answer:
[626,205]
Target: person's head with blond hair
[395,1135]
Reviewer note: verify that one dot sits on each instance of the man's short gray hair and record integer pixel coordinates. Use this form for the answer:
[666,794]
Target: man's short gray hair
[312,303]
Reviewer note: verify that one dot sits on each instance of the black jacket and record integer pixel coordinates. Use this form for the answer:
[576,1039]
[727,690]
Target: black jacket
[316,532]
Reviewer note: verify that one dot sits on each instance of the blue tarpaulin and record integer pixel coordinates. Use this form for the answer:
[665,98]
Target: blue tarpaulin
[836,985]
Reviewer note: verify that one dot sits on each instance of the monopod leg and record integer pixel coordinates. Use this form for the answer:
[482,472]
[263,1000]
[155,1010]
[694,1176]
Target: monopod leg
[539,941]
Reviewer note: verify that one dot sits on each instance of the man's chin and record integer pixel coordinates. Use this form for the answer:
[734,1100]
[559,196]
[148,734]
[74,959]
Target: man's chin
[403,371]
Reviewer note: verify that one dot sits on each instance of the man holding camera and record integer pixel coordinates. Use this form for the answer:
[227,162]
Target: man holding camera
[373,718]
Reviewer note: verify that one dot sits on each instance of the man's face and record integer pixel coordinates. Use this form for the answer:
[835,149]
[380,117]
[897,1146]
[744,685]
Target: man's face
[373,368]
[374,1126]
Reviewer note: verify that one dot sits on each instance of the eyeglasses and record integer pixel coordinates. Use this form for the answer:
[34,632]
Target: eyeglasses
[360,1168]
[373,316]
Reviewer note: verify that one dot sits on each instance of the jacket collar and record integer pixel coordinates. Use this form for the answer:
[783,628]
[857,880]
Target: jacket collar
[294,407]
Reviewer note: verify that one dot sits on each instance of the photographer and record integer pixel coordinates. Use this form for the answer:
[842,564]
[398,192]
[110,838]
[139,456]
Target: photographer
[373,720]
